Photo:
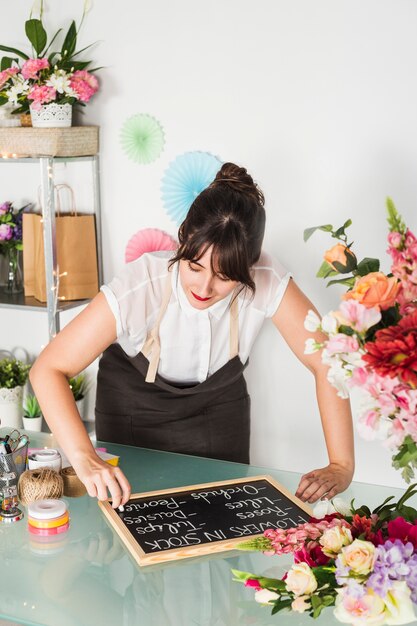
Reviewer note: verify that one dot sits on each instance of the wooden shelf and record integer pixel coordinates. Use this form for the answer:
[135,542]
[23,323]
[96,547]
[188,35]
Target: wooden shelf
[28,303]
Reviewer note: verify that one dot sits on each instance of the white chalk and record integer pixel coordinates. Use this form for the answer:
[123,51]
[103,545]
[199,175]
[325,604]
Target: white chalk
[121,508]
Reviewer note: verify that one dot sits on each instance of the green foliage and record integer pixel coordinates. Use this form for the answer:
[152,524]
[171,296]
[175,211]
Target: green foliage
[395,221]
[389,510]
[13,373]
[36,34]
[338,233]
[70,41]
[406,459]
[328,228]
[19,53]
[257,544]
[325,270]
[79,386]
[349,282]
[31,406]
[367,265]
[7,62]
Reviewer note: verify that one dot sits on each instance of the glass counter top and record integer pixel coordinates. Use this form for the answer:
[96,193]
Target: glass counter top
[88,578]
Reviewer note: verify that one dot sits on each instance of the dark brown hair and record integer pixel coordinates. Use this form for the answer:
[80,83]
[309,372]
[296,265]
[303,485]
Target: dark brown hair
[230,216]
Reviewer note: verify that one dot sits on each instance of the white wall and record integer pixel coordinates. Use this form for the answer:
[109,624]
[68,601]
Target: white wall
[317,99]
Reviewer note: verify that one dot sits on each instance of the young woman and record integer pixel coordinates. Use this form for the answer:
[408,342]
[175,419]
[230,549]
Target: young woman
[176,330]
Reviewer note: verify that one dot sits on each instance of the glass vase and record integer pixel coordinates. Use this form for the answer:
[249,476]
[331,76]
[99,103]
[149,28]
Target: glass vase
[14,273]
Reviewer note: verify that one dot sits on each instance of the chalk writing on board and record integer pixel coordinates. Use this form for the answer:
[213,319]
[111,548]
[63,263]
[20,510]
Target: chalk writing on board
[202,516]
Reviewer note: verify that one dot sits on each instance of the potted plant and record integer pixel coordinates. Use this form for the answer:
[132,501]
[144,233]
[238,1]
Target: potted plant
[49,82]
[32,414]
[13,376]
[79,388]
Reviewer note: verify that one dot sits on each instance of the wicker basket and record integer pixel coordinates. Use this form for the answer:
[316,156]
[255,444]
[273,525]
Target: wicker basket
[57,142]
[25,120]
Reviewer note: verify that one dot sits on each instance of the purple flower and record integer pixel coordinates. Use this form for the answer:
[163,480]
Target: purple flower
[17,231]
[5,208]
[6,232]
[394,561]
[342,572]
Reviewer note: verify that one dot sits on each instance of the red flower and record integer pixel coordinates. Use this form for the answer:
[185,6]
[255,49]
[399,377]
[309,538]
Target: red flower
[312,554]
[394,351]
[399,528]
[362,526]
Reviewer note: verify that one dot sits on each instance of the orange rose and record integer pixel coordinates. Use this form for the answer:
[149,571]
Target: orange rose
[343,256]
[374,289]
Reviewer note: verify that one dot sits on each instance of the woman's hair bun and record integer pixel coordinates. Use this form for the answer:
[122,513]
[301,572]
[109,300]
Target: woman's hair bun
[239,180]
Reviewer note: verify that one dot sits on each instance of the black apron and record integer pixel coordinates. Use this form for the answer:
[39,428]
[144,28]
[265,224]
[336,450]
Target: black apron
[136,406]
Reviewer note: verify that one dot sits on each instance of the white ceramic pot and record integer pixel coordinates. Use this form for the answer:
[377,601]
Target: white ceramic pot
[51,115]
[33,423]
[81,407]
[11,407]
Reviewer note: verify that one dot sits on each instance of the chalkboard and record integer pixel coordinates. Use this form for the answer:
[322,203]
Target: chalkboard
[201,519]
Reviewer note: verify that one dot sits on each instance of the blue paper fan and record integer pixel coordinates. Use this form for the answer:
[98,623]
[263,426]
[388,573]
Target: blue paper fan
[184,179]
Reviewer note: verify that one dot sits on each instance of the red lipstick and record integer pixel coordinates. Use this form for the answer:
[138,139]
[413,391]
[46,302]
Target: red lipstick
[200,299]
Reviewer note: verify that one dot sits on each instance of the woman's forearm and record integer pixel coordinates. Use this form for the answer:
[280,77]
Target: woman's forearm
[60,411]
[336,418]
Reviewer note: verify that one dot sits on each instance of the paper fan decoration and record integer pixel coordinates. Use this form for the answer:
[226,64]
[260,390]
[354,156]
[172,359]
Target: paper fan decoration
[148,240]
[142,138]
[184,179]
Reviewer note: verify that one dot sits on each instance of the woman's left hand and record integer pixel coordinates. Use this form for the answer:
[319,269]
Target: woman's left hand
[326,481]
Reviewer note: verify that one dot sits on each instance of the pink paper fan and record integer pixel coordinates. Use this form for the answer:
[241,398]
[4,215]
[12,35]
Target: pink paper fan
[148,240]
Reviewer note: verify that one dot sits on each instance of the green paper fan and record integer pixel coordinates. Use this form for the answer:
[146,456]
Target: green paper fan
[142,138]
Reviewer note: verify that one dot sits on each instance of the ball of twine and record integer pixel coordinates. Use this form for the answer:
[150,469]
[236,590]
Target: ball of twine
[39,484]
[73,487]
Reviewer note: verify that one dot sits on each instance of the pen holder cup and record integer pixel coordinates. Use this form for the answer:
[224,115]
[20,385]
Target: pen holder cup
[17,459]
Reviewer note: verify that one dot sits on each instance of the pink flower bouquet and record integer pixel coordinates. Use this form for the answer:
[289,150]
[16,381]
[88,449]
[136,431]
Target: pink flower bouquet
[49,76]
[363,563]
[370,341]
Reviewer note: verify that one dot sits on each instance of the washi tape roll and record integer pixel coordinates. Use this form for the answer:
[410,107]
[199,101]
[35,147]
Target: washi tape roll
[45,532]
[49,457]
[47,509]
[73,487]
[49,523]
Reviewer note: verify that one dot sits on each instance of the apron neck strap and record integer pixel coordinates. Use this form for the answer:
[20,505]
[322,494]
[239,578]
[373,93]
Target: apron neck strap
[234,326]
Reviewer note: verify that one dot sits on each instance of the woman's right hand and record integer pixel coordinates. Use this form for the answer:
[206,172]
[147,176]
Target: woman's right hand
[100,478]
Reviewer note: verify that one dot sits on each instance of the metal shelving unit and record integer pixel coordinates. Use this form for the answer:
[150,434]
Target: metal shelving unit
[54,307]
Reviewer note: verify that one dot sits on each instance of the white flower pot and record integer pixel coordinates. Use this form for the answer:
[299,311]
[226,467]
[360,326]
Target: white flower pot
[33,423]
[81,407]
[52,115]
[11,407]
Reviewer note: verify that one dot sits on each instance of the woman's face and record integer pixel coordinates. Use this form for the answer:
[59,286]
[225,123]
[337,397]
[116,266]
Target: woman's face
[201,286]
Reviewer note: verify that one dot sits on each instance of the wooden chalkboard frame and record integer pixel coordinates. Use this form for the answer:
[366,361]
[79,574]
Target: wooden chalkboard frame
[143,558]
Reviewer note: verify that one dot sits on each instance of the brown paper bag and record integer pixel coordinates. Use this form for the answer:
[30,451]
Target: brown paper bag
[29,226]
[76,251]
